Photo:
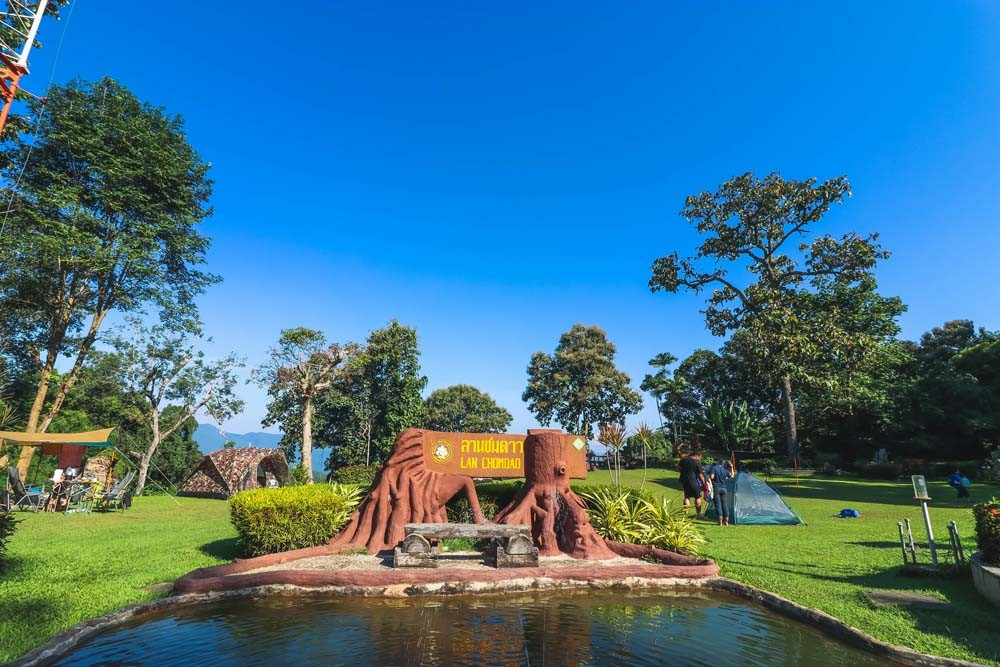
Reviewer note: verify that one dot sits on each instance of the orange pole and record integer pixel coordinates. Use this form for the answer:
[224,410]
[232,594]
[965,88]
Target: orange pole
[10,77]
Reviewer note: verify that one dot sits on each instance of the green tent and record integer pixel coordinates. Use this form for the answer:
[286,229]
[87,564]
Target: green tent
[753,501]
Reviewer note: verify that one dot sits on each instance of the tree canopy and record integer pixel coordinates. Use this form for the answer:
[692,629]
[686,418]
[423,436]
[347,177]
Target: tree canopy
[579,385]
[766,274]
[463,408]
[103,218]
[300,369]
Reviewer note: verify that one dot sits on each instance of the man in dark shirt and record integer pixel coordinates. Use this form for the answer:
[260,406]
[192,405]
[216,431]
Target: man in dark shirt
[693,481]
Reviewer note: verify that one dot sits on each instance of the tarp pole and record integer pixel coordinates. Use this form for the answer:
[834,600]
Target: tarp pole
[150,480]
[795,463]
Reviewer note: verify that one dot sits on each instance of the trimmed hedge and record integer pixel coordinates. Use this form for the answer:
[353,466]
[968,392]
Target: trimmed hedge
[361,475]
[293,517]
[988,529]
[459,510]
[7,525]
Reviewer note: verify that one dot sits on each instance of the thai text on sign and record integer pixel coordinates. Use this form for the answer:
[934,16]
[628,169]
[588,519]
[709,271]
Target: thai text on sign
[492,454]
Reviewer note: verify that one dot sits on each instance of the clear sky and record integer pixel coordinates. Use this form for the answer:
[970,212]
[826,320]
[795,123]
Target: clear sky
[492,173]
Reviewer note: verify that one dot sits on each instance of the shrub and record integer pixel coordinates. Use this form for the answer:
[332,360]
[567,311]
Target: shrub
[293,517]
[7,525]
[988,529]
[501,493]
[298,475]
[459,510]
[970,469]
[363,476]
[671,529]
[870,470]
[636,516]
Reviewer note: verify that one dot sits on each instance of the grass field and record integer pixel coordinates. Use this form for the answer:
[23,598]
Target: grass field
[828,563]
[67,568]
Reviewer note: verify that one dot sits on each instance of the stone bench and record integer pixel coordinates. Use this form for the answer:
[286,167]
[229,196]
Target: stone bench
[419,548]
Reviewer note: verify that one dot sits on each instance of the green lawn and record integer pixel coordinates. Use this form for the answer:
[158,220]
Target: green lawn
[66,568]
[828,563]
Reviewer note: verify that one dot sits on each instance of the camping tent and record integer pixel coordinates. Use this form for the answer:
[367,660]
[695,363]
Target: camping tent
[754,501]
[227,471]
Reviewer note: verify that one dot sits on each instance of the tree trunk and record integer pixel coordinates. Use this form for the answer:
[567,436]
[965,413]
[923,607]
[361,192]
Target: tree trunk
[147,455]
[307,439]
[404,491]
[788,405]
[557,516]
[27,453]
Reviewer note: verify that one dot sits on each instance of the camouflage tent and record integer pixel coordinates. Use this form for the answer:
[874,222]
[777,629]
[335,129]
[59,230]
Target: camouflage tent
[227,471]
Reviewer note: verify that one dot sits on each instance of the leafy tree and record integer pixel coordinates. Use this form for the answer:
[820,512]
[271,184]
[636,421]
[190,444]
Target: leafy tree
[301,368]
[103,218]
[462,408]
[378,396]
[160,366]
[579,385]
[757,222]
[950,396]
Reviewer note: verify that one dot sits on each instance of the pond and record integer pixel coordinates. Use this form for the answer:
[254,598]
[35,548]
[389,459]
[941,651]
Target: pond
[554,628]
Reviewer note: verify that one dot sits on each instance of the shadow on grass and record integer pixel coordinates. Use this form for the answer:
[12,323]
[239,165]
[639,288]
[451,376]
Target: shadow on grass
[857,490]
[227,549]
[969,622]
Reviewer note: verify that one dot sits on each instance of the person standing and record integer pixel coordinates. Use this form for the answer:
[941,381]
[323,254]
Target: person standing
[693,481]
[720,474]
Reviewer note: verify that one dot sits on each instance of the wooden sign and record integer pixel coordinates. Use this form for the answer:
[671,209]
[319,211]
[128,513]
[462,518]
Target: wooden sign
[493,454]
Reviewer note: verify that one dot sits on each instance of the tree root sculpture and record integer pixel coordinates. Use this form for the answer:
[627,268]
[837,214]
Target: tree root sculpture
[557,516]
[404,491]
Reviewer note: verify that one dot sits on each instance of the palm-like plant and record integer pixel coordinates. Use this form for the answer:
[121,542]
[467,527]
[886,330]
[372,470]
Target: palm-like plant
[644,436]
[613,436]
[731,426]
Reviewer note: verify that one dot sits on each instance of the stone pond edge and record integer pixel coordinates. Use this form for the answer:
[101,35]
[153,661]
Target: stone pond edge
[986,578]
[68,640]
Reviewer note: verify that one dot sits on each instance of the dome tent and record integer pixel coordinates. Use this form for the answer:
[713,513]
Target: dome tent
[752,501]
[228,471]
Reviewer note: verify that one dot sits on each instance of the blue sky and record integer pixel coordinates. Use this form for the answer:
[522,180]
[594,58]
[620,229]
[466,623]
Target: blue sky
[492,174]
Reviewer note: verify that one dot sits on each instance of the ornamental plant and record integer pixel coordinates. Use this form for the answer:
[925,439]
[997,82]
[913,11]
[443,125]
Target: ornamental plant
[292,517]
[7,525]
[987,516]
[633,515]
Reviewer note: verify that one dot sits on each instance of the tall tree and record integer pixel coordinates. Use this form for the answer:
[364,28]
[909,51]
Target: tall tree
[103,218]
[373,400]
[579,385]
[300,369]
[463,408]
[667,389]
[170,381]
[759,222]
[949,402]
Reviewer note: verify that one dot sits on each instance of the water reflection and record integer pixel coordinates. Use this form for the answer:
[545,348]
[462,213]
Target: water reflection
[557,628]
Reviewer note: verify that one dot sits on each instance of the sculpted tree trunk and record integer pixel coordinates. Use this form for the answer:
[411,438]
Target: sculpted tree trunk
[557,516]
[404,491]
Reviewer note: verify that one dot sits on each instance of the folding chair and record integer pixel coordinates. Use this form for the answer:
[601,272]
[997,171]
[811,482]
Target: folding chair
[21,497]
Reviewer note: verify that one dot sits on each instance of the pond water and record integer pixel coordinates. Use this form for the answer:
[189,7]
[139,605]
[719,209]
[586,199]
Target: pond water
[555,628]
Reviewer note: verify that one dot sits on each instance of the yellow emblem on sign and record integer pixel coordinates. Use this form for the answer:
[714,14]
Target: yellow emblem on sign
[578,443]
[441,451]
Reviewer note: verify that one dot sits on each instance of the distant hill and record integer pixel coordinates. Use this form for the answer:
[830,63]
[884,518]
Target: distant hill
[209,439]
